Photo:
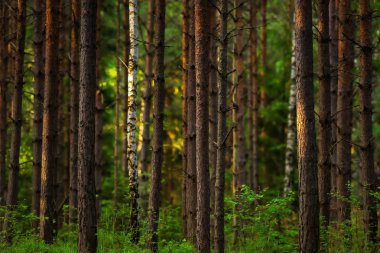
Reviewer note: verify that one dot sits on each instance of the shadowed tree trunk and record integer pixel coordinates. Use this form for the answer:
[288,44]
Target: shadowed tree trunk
[202,161]
[158,125]
[324,165]
[131,126]
[368,177]
[222,129]
[49,132]
[344,107]
[74,97]
[263,95]
[307,148]
[38,104]
[87,239]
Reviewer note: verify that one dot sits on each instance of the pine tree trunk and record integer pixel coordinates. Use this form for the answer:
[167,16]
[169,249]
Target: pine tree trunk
[74,110]
[307,148]
[324,165]
[222,129]
[263,95]
[333,27]
[202,161]
[87,240]
[14,166]
[158,125]
[131,126]
[191,132]
[49,132]
[368,177]
[344,107]
[38,104]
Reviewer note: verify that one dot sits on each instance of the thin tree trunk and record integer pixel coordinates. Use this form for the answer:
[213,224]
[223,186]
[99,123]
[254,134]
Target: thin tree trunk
[185,55]
[191,133]
[333,27]
[264,96]
[158,125]
[131,126]
[38,104]
[324,165]
[307,148]
[14,165]
[344,107]
[202,161]
[222,129]
[87,239]
[74,109]
[368,176]
[49,132]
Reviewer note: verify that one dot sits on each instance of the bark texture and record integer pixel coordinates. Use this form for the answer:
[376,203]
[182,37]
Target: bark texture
[307,148]
[87,239]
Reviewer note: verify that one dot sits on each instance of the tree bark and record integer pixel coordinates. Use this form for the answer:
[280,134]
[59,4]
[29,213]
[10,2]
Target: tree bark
[49,132]
[158,125]
[202,161]
[74,109]
[191,132]
[344,107]
[368,176]
[131,126]
[14,166]
[324,165]
[264,95]
[307,148]
[222,129]
[87,239]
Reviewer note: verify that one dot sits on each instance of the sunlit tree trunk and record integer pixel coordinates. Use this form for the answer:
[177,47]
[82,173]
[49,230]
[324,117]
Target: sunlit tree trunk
[202,161]
[87,239]
[131,129]
[307,148]
[368,177]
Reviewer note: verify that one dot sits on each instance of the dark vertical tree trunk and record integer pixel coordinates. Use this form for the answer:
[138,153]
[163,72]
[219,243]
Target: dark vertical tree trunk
[38,104]
[49,132]
[87,240]
[185,55]
[14,166]
[333,27]
[324,111]
[368,176]
[191,133]
[307,148]
[158,125]
[344,106]
[202,162]
[222,129]
[74,109]
[264,96]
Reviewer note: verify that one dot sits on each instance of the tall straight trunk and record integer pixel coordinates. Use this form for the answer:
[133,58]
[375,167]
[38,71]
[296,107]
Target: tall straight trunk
[127,47]
[264,96]
[185,55]
[254,102]
[222,129]
[291,135]
[49,132]
[147,101]
[74,109]
[324,173]
[344,107]
[158,125]
[307,148]
[4,59]
[368,176]
[191,133]
[202,161]
[38,104]
[131,126]
[87,239]
[333,48]
[14,165]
